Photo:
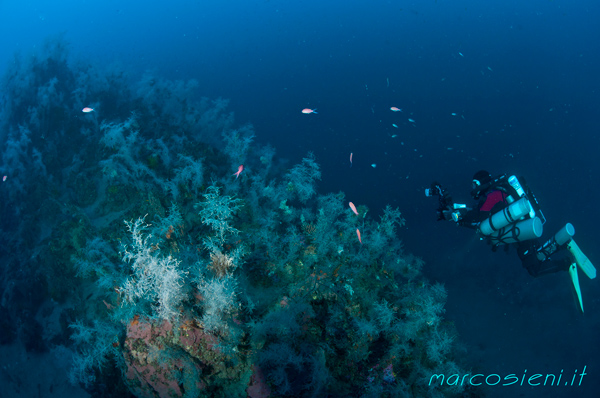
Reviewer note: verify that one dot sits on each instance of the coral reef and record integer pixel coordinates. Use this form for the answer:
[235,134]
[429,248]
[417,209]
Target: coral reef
[213,286]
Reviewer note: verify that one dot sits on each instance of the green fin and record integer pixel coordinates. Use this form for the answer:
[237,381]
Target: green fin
[575,280]
[581,259]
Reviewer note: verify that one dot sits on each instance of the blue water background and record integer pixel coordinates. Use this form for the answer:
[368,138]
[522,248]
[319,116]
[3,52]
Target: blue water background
[521,77]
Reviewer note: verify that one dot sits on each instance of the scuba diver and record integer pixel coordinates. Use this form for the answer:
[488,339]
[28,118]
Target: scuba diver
[507,213]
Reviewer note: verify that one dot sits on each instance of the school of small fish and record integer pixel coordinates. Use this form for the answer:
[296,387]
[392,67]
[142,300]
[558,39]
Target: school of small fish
[412,122]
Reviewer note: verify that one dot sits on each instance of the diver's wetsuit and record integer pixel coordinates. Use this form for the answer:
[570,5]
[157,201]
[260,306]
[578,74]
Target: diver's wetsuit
[494,201]
[527,252]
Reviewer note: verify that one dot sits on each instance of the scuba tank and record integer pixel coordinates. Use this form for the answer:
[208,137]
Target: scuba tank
[521,220]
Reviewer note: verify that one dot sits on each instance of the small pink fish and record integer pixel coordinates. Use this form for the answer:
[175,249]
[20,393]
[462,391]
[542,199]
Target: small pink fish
[353,208]
[358,234]
[87,110]
[240,169]
[350,159]
[306,111]
[4,178]
[394,109]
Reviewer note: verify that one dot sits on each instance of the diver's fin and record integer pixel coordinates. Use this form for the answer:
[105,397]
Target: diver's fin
[581,259]
[575,280]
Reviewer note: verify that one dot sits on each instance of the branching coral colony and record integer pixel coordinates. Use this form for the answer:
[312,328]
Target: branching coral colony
[214,286]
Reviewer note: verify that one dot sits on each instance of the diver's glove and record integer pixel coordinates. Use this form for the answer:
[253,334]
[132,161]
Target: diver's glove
[454,212]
